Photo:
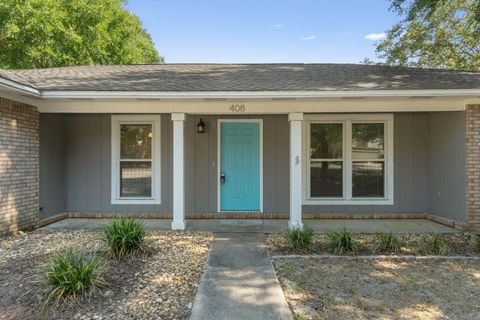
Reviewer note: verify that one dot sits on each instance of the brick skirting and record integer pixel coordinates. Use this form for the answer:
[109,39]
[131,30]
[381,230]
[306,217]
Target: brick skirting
[233,215]
[19,166]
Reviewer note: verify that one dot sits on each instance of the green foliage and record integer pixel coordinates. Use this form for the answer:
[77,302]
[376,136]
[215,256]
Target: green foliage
[389,242]
[300,239]
[53,33]
[476,242]
[436,243]
[125,237]
[69,275]
[287,269]
[30,228]
[434,34]
[342,242]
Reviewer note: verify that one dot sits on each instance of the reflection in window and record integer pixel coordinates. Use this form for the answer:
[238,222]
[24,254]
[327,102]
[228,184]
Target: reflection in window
[361,154]
[368,179]
[326,160]
[135,179]
[326,179]
[367,141]
[135,141]
[135,175]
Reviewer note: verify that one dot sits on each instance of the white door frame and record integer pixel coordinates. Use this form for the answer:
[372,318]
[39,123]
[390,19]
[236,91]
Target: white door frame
[219,163]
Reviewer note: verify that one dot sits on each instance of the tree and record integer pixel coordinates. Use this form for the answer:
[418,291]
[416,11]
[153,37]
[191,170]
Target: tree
[52,33]
[434,34]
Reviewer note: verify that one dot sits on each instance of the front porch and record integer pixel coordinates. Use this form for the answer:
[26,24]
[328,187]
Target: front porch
[411,226]
[423,173]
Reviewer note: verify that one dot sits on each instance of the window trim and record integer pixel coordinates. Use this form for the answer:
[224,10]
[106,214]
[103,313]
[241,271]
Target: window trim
[116,122]
[347,120]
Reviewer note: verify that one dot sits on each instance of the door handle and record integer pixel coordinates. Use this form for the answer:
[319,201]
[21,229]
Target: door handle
[222,177]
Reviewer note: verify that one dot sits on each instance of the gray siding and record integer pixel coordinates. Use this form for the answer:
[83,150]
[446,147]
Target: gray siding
[447,196]
[201,165]
[52,164]
[429,165]
[88,159]
[410,170]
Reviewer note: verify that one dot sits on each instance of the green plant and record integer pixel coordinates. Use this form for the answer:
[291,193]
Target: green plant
[437,244]
[300,239]
[70,274]
[476,242]
[125,237]
[342,242]
[389,242]
[29,228]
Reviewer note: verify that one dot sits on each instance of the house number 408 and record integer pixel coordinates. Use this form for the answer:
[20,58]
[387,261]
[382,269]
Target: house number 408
[237,108]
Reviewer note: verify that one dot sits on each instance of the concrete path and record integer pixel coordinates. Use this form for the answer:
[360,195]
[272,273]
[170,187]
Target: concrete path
[239,282]
[273,226]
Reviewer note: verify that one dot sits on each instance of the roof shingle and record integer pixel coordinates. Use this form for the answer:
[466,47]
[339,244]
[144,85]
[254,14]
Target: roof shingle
[242,77]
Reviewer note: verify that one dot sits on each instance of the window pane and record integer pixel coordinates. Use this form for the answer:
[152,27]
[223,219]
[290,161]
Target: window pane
[326,179]
[326,141]
[136,141]
[368,179]
[367,140]
[135,179]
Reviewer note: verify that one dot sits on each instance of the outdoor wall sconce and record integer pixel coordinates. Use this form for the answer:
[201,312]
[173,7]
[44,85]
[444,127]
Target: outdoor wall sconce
[201,126]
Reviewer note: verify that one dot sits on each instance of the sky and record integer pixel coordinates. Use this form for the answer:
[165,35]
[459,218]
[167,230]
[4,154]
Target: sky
[265,31]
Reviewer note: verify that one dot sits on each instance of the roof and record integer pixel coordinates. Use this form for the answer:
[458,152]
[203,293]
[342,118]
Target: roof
[241,77]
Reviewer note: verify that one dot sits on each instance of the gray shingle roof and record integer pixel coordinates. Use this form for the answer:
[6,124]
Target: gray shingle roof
[243,77]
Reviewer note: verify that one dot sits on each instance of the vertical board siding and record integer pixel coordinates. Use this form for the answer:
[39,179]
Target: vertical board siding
[447,173]
[410,169]
[429,154]
[88,160]
[52,164]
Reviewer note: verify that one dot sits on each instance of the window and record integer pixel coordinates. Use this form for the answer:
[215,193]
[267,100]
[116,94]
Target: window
[136,159]
[349,159]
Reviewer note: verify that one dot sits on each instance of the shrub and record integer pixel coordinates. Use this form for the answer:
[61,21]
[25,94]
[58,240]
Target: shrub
[476,242]
[300,239]
[389,242]
[437,244]
[125,237]
[70,274]
[342,242]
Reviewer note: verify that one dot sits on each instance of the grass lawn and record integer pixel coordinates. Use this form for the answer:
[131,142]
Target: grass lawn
[161,285]
[381,289]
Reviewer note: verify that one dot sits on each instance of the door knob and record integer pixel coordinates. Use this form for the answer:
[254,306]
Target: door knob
[222,177]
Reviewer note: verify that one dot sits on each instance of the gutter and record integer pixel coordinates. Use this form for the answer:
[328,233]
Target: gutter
[257,94]
[19,88]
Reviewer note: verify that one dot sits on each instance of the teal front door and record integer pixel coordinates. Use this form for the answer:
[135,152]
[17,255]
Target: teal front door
[239,166]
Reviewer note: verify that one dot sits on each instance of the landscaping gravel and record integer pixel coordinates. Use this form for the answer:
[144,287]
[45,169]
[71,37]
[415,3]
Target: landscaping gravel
[159,286]
[459,244]
[381,289]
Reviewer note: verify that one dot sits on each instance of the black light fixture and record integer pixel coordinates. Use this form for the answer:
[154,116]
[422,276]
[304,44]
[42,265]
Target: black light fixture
[201,126]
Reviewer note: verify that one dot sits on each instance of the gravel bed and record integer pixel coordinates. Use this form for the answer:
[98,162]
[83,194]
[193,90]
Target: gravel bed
[381,289]
[159,286]
[461,244]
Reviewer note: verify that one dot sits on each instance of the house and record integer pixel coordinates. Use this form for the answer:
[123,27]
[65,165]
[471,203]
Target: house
[293,141]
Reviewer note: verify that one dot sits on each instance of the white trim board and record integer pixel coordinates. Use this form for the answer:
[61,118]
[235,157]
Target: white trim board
[252,106]
[257,94]
[219,121]
[116,121]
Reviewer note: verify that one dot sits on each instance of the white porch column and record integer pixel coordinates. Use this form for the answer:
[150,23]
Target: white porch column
[295,120]
[178,222]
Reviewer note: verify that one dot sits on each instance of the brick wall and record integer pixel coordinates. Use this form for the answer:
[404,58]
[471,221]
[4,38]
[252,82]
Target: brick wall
[473,167]
[19,166]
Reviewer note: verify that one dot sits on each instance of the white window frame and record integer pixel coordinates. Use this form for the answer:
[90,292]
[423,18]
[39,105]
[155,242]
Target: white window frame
[347,120]
[117,121]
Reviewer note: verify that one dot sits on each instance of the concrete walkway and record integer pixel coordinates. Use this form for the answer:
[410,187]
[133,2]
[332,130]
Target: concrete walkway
[239,281]
[273,226]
